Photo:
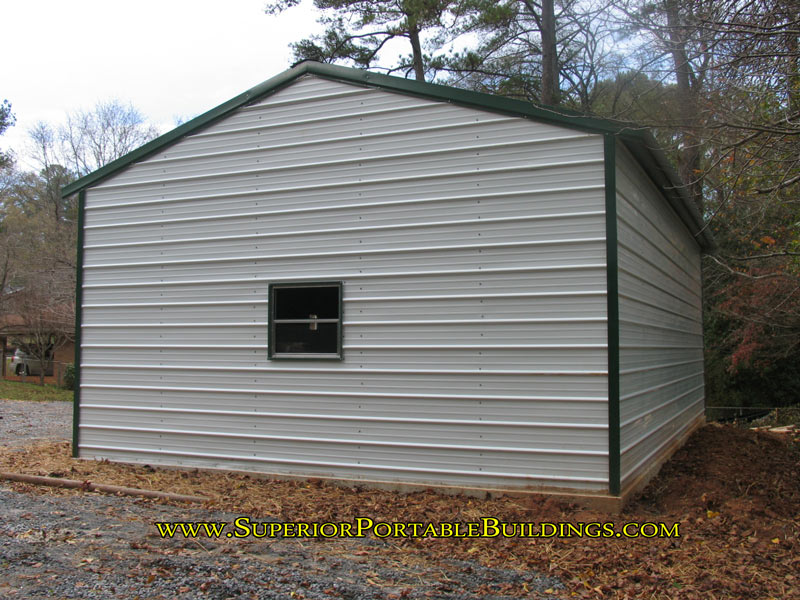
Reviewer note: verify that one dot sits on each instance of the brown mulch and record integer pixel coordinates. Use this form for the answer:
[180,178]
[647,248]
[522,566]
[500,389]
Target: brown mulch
[735,494]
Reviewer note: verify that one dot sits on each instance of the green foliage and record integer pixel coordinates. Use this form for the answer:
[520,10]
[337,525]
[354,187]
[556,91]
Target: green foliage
[358,31]
[69,376]
[753,283]
[14,390]
[776,385]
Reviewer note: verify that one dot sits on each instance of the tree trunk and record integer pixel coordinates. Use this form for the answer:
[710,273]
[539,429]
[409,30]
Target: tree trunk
[690,164]
[416,49]
[550,88]
[793,72]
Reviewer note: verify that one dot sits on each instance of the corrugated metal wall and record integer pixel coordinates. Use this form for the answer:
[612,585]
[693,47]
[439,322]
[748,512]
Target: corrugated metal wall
[661,330]
[471,247]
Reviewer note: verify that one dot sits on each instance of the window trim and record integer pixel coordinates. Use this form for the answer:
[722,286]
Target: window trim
[272,321]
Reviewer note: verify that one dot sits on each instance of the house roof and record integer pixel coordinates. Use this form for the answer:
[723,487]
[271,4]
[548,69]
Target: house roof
[11,323]
[639,140]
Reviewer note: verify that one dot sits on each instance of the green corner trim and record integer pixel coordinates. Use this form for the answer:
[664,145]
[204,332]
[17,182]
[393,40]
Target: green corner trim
[76,402]
[612,265]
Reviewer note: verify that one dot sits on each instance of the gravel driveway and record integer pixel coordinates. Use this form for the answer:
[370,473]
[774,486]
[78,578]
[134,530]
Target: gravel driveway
[93,546]
[63,545]
[21,421]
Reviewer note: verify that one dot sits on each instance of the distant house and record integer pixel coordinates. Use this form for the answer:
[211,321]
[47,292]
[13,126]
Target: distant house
[348,275]
[13,329]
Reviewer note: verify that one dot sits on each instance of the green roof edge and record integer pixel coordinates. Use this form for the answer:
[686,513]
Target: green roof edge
[655,163]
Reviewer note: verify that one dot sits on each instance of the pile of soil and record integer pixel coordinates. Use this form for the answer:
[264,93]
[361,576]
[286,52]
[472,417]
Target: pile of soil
[734,493]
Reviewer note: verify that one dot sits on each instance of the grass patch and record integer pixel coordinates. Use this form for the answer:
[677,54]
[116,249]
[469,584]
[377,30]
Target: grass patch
[15,390]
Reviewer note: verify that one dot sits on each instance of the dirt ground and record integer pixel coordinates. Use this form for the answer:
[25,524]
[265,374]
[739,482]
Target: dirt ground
[735,494]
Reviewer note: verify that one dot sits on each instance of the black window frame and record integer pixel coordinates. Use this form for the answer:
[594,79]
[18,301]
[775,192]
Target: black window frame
[273,321]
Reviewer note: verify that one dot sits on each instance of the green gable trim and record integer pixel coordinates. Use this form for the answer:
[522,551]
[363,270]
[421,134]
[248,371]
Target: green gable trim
[612,296]
[638,139]
[76,394]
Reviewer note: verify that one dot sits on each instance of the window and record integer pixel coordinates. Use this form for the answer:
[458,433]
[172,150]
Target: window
[305,320]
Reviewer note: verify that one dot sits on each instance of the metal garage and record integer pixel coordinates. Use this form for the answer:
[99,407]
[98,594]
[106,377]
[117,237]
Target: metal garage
[348,275]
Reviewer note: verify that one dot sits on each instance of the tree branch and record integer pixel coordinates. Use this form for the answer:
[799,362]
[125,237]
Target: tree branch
[761,256]
[779,186]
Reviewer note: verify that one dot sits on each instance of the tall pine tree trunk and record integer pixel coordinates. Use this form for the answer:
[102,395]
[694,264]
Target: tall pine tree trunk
[690,161]
[550,88]
[416,49]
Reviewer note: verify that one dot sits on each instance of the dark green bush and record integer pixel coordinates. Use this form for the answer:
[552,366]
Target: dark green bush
[69,376]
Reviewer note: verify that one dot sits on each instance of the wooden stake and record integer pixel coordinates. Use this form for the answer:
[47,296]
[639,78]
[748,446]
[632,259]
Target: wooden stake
[99,487]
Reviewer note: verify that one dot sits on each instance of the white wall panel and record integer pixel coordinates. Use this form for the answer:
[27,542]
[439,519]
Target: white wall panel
[296,262]
[143,226]
[326,405]
[471,247]
[358,237]
[539,280]
[661,333]
[515,357]
[301,195]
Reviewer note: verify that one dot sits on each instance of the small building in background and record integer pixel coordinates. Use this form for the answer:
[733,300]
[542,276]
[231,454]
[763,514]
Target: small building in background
[348,275]
[14,335]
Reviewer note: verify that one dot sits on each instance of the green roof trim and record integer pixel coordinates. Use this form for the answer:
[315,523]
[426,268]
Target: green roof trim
[639,140]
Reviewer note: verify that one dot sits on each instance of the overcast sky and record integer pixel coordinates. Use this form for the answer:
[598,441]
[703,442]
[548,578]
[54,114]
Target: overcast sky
[170,58]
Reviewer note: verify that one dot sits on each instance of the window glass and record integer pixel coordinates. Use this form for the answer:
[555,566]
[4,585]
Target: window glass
[301,302]
[304,338]
[305,320]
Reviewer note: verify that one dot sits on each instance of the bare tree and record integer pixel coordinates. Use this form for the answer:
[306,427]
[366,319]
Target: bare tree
[549,52]
[9,265]
[11,239]
[90,139]
[87,141]
[44,307]
[38,228]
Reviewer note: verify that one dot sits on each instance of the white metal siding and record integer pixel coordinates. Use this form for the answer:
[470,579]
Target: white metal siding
[660,308]
[472,250]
